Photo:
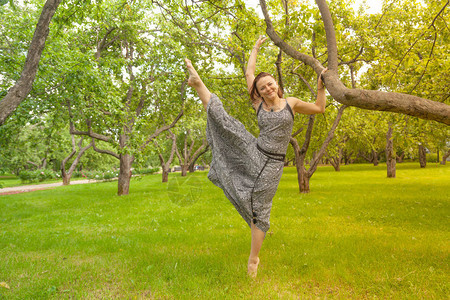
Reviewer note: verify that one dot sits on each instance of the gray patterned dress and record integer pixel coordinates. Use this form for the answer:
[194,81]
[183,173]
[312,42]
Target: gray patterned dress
[246,168]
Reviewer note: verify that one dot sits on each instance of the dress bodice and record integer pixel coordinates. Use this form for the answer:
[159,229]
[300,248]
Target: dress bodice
[275,129]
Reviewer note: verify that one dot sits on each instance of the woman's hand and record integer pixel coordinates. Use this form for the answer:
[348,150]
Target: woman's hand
[320,85]
[260,41]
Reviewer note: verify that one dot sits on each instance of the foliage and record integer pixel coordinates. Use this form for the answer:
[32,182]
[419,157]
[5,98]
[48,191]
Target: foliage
[98,53]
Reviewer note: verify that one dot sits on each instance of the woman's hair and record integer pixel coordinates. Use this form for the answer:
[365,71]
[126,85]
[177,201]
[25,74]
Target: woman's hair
[254,93]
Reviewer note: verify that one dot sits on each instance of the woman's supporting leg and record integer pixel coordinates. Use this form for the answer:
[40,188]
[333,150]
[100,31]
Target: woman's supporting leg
[196,82]
[257,240]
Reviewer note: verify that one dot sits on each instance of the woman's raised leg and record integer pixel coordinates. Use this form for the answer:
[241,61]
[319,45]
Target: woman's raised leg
[257,240]
[196,82]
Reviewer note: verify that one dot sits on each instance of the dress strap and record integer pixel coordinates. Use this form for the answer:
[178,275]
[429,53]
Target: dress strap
[289,108]
[259,108]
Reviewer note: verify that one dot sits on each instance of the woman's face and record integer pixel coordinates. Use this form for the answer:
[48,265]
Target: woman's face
[267,87]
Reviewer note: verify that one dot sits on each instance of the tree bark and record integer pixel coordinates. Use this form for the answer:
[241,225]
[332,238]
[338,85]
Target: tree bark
[126,161]
[302,177]
[303,181]
[401,157]
[366,99]
[390,154]
[23,86]
[444,157]
[165,174]
[422,156]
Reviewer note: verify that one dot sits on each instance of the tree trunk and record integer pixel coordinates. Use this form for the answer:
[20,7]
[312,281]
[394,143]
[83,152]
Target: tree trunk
[422,156]
[126,161]
[444,157]
[165,174]
[66,178]
[335,162]
[303,176]
[347,157]
[390,154]
[184,169]
[23,86]
[303,181]
[319,154]
[401,157]
[165,165]
[375,160]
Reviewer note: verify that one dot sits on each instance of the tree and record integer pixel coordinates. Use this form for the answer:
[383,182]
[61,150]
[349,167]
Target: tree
[303,174]
[367,99]
[390,154]
[67,174]
[165,163]
[131,89]
[190,152]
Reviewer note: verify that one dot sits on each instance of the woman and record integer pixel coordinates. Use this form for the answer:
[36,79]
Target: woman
[246,168]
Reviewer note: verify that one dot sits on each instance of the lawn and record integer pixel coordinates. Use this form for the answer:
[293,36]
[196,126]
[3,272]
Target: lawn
[357,235]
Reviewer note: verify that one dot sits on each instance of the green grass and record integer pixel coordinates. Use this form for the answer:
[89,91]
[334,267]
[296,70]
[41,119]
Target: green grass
[357,235]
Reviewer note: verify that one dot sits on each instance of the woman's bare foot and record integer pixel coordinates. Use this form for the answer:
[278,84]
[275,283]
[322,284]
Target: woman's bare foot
[194,78]
[252,268]
[195,81]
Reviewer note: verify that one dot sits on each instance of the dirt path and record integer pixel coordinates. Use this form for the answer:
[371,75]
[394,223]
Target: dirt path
[37,187]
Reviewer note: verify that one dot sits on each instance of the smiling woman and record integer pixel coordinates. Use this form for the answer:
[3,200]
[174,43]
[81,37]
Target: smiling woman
[246,168]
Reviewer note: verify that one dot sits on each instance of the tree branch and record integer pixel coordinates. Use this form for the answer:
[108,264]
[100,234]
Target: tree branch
[331,35]
[315,161]
[366,99]
[289,50]
[104,151]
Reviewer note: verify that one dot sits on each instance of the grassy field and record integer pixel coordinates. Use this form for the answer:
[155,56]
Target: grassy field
[357,235]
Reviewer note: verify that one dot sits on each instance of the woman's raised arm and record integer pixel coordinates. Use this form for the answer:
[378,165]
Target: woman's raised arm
[311,108]
[251,65]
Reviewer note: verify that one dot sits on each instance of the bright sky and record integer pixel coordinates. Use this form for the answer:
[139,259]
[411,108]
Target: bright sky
[374,5]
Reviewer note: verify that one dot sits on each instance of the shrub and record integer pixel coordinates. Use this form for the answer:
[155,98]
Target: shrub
[145,171]
[38,175]
[96,175]
[432,157]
